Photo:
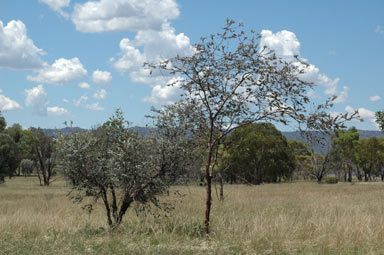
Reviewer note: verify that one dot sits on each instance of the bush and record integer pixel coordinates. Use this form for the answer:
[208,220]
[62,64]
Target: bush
[331,180]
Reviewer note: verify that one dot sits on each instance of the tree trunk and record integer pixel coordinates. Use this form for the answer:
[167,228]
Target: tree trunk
[208,176]
[221,185]
[349,174]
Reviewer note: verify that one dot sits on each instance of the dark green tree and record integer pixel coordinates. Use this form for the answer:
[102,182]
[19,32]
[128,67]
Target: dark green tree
[7,156]
[380,119]
[369,155]
[343,150]
[259,153]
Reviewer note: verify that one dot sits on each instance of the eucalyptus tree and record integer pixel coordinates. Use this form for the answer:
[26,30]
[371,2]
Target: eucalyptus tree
[122,168]
[343,149]
[230,81]
[380,119]
[44,154]
[259,153]
[370,156]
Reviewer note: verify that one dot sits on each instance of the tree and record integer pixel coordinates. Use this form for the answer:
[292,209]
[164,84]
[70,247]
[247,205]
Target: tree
[26,166]
[230,82]
[380,119]
[343,149]
[117,165]
[23,141]
[370,154]
[44,154]
[3,123]
[7,156]
[302,153]
[259,153]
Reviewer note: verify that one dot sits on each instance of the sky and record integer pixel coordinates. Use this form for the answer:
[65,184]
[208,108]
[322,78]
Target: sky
[78,60]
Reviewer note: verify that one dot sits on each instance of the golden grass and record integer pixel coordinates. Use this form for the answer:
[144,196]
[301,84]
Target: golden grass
[292,218]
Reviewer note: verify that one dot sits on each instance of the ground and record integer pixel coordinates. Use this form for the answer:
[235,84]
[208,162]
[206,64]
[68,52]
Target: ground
[290,218]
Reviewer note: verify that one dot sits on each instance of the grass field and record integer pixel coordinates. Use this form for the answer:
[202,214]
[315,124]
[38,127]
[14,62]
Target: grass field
[292,218]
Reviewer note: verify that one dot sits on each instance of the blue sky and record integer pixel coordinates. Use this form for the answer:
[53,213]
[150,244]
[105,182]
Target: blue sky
[80,60]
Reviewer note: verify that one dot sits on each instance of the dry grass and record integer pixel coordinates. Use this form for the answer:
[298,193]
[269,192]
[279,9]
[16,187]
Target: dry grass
[296,218]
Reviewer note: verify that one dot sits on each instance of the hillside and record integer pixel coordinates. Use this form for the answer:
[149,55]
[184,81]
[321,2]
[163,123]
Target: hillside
[292,135]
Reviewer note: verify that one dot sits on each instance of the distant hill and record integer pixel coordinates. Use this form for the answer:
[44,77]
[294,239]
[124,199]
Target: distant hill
[292,135]
[296,135]
[144,131]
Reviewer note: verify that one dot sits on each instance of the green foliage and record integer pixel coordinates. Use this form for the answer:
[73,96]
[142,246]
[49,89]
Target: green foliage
[7,156]
[120,167]
[331,180]
[380,119]
[299,148]
[370,156]
[26,166]
[259,153]
[3,123]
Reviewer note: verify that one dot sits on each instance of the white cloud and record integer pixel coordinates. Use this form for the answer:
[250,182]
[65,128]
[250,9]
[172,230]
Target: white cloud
[286,45]
[7,104]
[57,5]
[343,95]
[17,51]
[84,85]
[100,94]
[133,15]
[101,76]
[56,111]
[379,30]
[94,107]
[374,98]
[65,100]
[164,94]
[155,46]
[80,101]
[365,114]
[60,72]
[37,99]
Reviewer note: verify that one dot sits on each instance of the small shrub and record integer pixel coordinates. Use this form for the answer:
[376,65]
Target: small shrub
[331,180]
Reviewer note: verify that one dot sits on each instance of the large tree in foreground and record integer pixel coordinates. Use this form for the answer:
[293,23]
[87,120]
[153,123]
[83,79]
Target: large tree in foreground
[117,165]
[230,81]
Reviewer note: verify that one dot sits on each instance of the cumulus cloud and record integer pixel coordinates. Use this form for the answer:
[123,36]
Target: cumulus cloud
[374,98]
[94,107]
[153,46]
[365,114]
[56,111]
[156,46]
[57,5]
[17,51]
[37,100]
[84,85]
[7,104]
[60,72]
[286,45]
[165,94]
[100,94]
[133,15]
[101,76]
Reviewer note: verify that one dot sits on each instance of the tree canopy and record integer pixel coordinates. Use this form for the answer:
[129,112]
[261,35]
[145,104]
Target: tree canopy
[230,81]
